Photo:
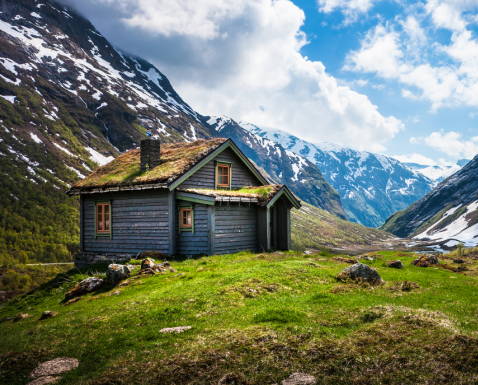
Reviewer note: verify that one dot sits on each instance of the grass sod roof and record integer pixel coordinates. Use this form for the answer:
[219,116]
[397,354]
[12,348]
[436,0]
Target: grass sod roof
[262,193]
[176,159]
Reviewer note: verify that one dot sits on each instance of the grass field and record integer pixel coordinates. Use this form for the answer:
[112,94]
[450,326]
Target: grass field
[256,318]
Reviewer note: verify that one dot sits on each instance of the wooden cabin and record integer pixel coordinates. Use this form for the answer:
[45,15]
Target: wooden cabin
[181,199]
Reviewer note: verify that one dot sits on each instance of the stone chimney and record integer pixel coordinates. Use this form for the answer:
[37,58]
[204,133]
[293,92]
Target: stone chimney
[150,153]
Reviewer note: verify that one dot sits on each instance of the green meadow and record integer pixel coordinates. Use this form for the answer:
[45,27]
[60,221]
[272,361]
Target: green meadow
[255,318]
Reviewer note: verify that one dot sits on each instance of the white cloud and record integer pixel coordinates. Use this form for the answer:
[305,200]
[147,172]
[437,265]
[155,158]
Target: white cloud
[450,143]
[200,19]
[243,59]
[350,8]
[401,50]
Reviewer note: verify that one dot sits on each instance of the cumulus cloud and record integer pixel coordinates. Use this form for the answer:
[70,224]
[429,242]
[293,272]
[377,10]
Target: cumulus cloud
[350,8]
[408,55]
[451,143]
[243,59]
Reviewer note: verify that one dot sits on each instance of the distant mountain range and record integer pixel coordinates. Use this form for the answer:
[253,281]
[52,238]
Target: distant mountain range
[371,187]
[437,172]
[447,215]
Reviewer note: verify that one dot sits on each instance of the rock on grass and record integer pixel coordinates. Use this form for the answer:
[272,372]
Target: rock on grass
[360,273]
[88,285]
[117,273]
[395,264]
[426,260]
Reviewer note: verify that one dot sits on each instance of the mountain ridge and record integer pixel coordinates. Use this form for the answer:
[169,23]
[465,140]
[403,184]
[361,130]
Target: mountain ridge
[448,213]
[371,186]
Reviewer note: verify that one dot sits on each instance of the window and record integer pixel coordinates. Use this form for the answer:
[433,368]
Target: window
[103,218]
[223,175]
[186,218]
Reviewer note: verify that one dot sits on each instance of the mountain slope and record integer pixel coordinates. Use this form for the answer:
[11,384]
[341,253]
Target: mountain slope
[68,101]
[303,177]
[316,228]
[371,186]
[449,212]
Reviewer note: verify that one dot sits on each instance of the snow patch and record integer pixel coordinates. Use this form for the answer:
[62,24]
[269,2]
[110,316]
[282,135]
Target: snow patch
[35,138]
[9,98]
[97,157]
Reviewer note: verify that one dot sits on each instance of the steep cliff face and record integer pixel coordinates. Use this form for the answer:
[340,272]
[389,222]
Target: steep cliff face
[448,214]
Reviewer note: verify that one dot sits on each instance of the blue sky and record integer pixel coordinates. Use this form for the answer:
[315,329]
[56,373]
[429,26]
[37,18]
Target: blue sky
[333,35]
[389,76]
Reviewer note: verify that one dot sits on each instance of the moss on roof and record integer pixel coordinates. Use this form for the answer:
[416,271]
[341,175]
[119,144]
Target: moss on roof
[262,193]
[176,159]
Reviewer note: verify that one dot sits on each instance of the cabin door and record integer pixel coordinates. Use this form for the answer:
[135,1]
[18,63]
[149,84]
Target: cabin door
[279,215]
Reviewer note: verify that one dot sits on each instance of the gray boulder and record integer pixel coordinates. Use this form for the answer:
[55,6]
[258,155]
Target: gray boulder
[360,273]
[88,285]
[395,264]
[117,273]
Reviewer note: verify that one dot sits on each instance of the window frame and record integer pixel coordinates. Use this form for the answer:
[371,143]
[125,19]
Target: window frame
[103,233]
[181,225]
[228,165]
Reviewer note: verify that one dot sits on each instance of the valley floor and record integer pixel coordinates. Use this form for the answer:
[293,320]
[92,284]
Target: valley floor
[255,318]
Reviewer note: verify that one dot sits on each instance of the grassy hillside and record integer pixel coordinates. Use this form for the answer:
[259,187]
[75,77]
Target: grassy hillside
[256,318]
[316,228]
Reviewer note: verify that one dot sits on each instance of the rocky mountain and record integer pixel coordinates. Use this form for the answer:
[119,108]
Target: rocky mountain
[447,215]
[371,187]
[69,101]
[437,172]
[283,166]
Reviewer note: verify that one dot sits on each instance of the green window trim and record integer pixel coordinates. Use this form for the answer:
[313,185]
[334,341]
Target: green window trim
[216,174]
[186,229]
[104,234]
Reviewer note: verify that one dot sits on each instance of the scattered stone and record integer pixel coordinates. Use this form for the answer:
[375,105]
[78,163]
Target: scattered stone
[48,314]
[88,285]
[176,329]
[54,367]
[232,379]
[148,266]
[116,292]
[346,260]
[45,380]
[458,260]
[405,286]
[369,258]
[21,316]
[361,273]
[147,263]
[395,264]
[117,273]
[457,269]
[426,260]
[299,379]
[123,283]
[73,300]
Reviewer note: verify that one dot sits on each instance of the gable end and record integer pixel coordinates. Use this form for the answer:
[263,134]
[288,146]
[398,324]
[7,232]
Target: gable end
[229,144]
